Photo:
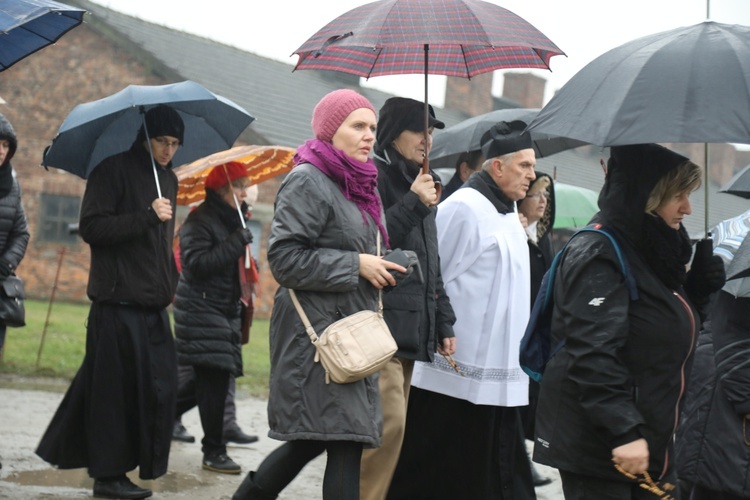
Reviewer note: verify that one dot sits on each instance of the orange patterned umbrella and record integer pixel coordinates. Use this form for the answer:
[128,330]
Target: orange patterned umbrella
[263,163]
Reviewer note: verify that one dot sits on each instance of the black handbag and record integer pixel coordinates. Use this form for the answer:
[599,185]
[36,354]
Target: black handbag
[12,311]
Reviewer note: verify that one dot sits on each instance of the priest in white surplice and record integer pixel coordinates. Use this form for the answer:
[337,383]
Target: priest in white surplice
[464,436]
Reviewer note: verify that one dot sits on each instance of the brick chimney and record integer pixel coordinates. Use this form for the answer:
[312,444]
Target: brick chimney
[473,97]
[526,89]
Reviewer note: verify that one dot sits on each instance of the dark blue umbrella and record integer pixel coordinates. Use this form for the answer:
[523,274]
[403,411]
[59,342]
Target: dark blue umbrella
[96,130]
[30,25]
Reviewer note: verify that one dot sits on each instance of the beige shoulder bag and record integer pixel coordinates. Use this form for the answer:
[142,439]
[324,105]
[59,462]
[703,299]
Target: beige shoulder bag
[353,347]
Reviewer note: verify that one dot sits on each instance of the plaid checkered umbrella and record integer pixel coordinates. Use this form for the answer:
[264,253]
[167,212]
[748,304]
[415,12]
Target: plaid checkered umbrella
[460,38]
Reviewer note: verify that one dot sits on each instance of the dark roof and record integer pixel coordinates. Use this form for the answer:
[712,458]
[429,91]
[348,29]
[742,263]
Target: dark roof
[281,100]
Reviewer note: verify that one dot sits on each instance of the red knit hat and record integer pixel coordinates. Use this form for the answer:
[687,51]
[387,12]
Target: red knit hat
[333,109]
[217,177]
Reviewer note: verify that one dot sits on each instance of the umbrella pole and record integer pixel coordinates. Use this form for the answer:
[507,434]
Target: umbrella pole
[705,190]
[234,196]
[151,153]
[239,212]
[426,160]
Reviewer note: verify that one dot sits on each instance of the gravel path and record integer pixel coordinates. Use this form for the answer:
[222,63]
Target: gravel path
[27,405]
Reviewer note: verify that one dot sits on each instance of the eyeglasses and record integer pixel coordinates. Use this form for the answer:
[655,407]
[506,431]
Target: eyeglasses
[166,143]
[644,481]
[538,195]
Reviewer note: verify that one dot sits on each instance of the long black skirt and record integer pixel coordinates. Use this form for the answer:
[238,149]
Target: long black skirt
[119,410]
[455,449]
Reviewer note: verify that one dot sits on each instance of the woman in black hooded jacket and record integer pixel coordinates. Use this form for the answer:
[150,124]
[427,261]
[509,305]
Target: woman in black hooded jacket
[14,232]
[611,396]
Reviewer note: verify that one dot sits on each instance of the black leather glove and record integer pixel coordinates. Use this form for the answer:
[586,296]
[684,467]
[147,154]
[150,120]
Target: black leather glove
[244,235]
[707,274]
[6,268]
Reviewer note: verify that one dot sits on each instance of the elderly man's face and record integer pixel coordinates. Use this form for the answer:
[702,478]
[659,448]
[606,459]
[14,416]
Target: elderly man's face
[514,175]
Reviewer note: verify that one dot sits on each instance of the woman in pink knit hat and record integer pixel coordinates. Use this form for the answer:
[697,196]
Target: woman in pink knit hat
[327,221]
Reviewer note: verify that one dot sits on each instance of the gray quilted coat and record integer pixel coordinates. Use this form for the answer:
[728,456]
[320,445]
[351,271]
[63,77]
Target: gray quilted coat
[316,238]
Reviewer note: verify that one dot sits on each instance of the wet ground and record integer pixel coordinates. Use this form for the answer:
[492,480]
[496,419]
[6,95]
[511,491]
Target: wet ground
[27,405]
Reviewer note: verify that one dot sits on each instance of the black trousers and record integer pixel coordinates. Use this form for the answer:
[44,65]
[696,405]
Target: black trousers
[186,399]
[341,480]
[211,386]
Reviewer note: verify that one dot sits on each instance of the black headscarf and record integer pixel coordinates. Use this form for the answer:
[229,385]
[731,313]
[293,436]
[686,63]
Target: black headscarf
[399,114]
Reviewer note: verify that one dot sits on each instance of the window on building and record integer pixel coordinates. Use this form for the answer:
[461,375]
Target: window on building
[57,212]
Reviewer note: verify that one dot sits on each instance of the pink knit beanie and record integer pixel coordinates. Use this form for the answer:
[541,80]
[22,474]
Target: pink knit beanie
[333,109]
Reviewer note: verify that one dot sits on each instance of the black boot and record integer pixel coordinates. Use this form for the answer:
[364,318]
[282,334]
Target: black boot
[119,487]
[248,490]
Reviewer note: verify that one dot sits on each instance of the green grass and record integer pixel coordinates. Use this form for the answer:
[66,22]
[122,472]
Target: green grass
[65,346]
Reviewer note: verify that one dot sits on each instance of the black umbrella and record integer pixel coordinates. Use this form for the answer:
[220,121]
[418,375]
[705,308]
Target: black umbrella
[684,85]
[739,185]
[464,137]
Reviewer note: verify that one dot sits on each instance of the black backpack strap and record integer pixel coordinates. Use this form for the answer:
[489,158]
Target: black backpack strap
[624,265]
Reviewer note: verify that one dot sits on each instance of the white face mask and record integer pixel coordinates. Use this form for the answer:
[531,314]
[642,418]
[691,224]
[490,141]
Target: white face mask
[251,195]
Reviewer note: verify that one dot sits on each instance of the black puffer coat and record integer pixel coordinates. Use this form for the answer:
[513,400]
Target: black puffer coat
[713,444]
[14,231]
[207,302]
[622,372]
[418,314]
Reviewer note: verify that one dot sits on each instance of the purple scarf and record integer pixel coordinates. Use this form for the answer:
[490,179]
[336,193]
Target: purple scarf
[358,181]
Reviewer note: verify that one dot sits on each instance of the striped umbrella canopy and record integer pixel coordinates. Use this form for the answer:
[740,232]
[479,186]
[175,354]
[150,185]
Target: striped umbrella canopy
[460,38]
[729,234]
[263,163]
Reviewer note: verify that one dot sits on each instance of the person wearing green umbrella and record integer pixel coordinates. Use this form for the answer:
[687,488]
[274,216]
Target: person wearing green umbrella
[118,412]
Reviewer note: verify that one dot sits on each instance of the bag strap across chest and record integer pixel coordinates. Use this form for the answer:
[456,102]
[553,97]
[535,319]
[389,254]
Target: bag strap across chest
[306,321]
